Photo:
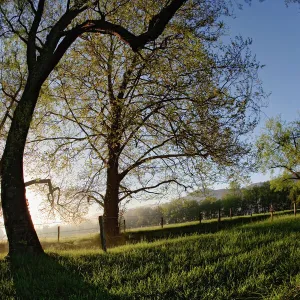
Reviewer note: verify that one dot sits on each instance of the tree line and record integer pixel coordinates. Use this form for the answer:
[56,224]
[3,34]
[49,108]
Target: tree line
[258,198]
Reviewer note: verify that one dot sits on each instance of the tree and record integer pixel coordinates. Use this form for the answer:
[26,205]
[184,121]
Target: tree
[260,197]
[288,189]
[278,148]
[180,210]
[155,119]
[47,36]
[209,206]
[231,203]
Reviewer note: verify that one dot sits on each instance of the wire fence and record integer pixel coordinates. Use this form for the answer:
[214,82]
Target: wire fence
[59,230]
[53,230]
[56,231]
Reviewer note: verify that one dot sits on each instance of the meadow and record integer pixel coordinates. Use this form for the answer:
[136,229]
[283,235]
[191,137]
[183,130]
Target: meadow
[254,261]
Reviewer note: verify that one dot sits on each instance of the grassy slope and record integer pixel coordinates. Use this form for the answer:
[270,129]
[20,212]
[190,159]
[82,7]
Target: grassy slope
[92,241]
[254,261]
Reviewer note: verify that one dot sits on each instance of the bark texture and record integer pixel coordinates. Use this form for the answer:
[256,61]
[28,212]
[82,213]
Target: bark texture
[20,231]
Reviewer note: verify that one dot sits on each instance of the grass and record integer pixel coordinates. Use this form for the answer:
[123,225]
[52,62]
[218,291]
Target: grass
[150,234]
[207,226]
[207,221]
[254,261]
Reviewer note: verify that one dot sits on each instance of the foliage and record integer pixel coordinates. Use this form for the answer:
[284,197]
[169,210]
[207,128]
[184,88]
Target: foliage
[291,187]
[254,199]
[47,35]
[231,202]
[279,148]
[171,116]
[142,216]
[260,197]
[180,210]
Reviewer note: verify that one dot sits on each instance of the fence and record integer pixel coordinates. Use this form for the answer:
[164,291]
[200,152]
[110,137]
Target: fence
[56,232]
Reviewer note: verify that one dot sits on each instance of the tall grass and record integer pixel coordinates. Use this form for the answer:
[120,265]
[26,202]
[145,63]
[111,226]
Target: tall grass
[254,261]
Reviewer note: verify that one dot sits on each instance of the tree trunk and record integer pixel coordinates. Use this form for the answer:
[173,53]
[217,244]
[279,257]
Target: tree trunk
[20,231]
[111,202]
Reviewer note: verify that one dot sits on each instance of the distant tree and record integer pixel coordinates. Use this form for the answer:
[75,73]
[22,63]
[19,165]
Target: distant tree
[259,198]
[279,148]
[181,210]
[209,206]
[142,216]
[231,202]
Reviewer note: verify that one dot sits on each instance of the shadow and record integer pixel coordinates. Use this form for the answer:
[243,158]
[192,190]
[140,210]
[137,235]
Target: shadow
[50,277]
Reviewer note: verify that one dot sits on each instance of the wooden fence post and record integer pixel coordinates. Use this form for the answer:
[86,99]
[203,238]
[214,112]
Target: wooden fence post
[58,233]
[200,217]
[295,209]
[271,211]
[102,233]
[162,222]
[124,225]
[219,215]
[230,213]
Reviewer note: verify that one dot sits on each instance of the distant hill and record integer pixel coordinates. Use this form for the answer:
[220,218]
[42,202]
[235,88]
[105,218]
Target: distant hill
[199,195]
[219,194]
[196,195]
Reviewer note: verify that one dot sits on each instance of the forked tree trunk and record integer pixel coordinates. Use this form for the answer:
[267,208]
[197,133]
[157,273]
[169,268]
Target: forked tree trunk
[20,231]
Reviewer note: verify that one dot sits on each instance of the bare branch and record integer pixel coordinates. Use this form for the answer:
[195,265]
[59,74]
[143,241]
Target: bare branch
[128,192]
[51,189]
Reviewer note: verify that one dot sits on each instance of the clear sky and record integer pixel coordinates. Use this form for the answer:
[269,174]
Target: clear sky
[275,31]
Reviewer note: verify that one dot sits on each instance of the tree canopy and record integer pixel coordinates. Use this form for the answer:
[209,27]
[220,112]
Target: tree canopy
[279,148]
[47,34]
[174,114]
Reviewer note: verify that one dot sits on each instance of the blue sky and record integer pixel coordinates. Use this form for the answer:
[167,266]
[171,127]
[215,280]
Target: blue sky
[275,31]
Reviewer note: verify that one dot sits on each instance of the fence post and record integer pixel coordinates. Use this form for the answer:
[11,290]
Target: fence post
[162,222]
[102,233]
[230,213]
[58,233]
[124,225]
[200,217]
[295,209]
[271,211]
[219,215]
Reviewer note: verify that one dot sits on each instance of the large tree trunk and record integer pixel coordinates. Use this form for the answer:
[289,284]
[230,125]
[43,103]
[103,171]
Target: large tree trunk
[20,231]
[111,202]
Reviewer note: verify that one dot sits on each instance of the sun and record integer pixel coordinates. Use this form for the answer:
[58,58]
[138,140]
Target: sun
[34,202]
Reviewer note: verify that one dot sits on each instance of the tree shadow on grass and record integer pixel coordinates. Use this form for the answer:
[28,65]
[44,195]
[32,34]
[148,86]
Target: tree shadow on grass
[46,278]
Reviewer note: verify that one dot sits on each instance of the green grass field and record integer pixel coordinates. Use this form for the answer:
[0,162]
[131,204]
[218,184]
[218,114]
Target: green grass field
[255,261]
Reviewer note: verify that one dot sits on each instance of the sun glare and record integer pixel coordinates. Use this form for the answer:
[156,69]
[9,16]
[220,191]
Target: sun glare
[34,203]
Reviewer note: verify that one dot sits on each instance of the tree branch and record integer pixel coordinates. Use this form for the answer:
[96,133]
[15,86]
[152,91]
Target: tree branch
[31,46]
[51,189]
[129,192]
[173,155]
